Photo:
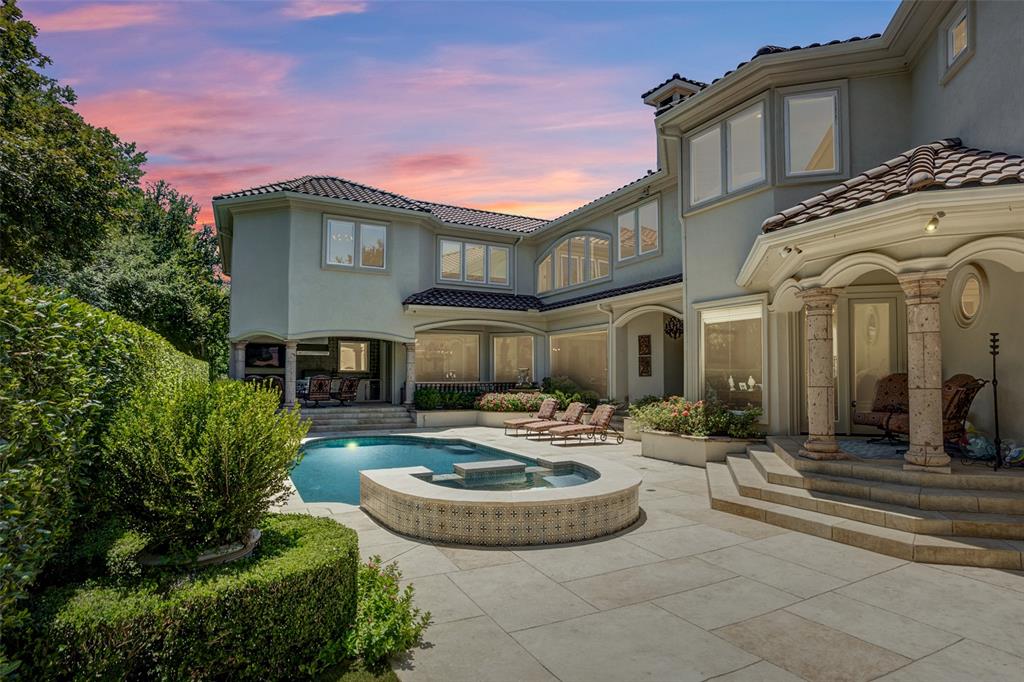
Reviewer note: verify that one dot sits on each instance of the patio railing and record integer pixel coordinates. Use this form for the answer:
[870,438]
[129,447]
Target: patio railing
[478,387]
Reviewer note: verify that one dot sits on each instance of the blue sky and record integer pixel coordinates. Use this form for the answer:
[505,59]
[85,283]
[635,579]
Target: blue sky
[525,107]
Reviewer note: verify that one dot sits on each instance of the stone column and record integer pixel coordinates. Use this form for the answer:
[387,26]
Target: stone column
[924,371]
[821,409]
[238,359]
[290,360]
[410,371]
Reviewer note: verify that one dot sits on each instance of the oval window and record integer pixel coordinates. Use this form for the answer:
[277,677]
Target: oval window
[970,298]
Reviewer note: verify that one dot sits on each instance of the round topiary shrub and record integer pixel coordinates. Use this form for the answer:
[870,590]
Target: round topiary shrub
[284,613]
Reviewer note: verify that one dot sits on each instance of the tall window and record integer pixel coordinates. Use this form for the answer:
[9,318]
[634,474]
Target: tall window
[448,357]
[583,358]
[732,357]
[471,262]
[512,354]
[642,220]
[729,156]
[812,133]
[576,259]
[345,241]
[745,142]
[354,356]
[544,275]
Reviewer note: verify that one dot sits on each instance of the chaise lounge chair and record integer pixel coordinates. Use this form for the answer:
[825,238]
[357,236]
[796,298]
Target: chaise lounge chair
[544,414]
[573,415]
[599,426]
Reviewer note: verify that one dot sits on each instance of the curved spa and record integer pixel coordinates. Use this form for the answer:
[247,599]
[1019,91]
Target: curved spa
[485,509]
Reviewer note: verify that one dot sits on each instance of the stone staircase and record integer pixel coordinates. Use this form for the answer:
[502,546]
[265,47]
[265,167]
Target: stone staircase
[973,518]
[359,417]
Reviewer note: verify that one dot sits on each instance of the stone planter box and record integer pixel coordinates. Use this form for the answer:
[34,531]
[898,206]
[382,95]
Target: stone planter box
[693,450]
[496,420]
[436,418]
[629,429]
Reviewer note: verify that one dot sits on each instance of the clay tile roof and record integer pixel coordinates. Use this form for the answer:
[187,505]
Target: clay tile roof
[340,188]
[480,218]
[761,52]
[466,298]
[675,77]
[945,164]
[334,188]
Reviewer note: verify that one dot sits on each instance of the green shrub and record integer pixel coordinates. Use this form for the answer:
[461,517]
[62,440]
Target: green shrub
[511,402]
[701,418]
[257,619]
[197,464]
[427,399]
[563,384]
[647,400]
[386,621]
[65,369]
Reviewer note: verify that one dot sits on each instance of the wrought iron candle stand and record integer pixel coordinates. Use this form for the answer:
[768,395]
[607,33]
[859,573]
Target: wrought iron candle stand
[994,351]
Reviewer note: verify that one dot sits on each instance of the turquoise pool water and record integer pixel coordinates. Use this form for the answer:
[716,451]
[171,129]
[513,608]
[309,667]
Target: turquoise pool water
[329,470]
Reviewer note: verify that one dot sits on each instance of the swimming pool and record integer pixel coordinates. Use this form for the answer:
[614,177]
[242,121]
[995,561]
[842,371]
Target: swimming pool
[329,470]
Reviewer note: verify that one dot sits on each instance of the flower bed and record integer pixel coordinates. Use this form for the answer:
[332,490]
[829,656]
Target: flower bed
[686,432]
[511,402]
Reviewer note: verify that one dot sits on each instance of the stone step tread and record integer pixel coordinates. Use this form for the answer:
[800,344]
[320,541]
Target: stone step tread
[922,497]
[750,483]
[980,478]
[970,551]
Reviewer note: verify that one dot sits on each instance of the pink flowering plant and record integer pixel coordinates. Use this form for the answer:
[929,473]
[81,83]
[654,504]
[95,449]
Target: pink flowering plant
[696,418]
[510,402]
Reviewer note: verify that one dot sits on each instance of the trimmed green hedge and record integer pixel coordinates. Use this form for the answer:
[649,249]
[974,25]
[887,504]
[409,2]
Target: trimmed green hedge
[293,601]
[65,369]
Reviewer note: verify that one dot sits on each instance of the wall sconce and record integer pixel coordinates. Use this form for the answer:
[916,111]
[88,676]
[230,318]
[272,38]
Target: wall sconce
[933,222]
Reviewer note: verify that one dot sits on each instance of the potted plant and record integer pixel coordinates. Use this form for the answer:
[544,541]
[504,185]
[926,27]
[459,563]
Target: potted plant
[694,433]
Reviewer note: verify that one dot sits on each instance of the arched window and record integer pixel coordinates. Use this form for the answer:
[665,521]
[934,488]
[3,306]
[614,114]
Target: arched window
[574,260]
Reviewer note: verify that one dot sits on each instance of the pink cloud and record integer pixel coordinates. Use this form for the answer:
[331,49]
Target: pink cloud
[475,127]
[313,9]
[101,17]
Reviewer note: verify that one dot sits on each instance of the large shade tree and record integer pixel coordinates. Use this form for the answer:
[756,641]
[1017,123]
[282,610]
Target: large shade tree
[72,212]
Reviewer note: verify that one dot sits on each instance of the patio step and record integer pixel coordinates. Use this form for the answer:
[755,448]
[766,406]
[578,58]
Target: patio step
[978,477]
[959,496]
[357,418]
[751,481]
[726,496]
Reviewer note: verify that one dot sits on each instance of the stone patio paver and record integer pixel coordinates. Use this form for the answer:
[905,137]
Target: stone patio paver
[686,541]
[784,575]
[631,643]
[583,560]
[967,607]
[893,631]
[519,596]
[727,602]
[843,612]
[965,660]
[471,650]
[814,652]
[762,671]
[643,583]
[825,556]
[446,602]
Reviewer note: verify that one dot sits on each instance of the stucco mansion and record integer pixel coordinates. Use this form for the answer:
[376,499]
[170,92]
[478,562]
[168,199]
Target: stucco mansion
[822,216]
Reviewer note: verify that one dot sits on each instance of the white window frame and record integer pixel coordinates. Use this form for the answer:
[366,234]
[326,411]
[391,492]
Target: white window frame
[588,278]
[836,132]
[637,253]
[726,309]
[488,247]
[342,342]
[948,64]
[722,124]
[514,335]
[842,144]
[357,254]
